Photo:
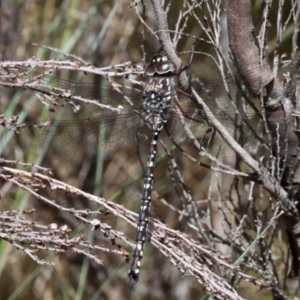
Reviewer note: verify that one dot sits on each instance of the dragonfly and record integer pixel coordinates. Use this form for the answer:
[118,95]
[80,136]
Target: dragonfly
[86,108]
[119,118]
[158,96]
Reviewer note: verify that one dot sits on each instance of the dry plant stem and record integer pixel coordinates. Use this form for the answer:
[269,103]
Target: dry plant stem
[263,83]
[28,165]
[54,65]
[31,237]
[135,7]
[271,184]
[190,204]
[65,54]
[284,139]
[296,14]
[268,181]
[279,34]
[173,240]
[210,257]
[22,179]
[58,93]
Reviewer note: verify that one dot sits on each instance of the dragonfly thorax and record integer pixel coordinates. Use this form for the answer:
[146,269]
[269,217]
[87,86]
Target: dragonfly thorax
[157,99]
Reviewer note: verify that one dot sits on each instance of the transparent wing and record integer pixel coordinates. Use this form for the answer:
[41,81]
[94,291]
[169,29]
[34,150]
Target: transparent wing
[86,119]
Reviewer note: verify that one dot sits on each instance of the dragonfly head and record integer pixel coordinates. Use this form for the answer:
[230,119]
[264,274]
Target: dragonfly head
[160,65]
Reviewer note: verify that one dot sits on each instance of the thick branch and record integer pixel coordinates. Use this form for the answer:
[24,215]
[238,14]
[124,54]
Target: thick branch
[260,81]
[165,40]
